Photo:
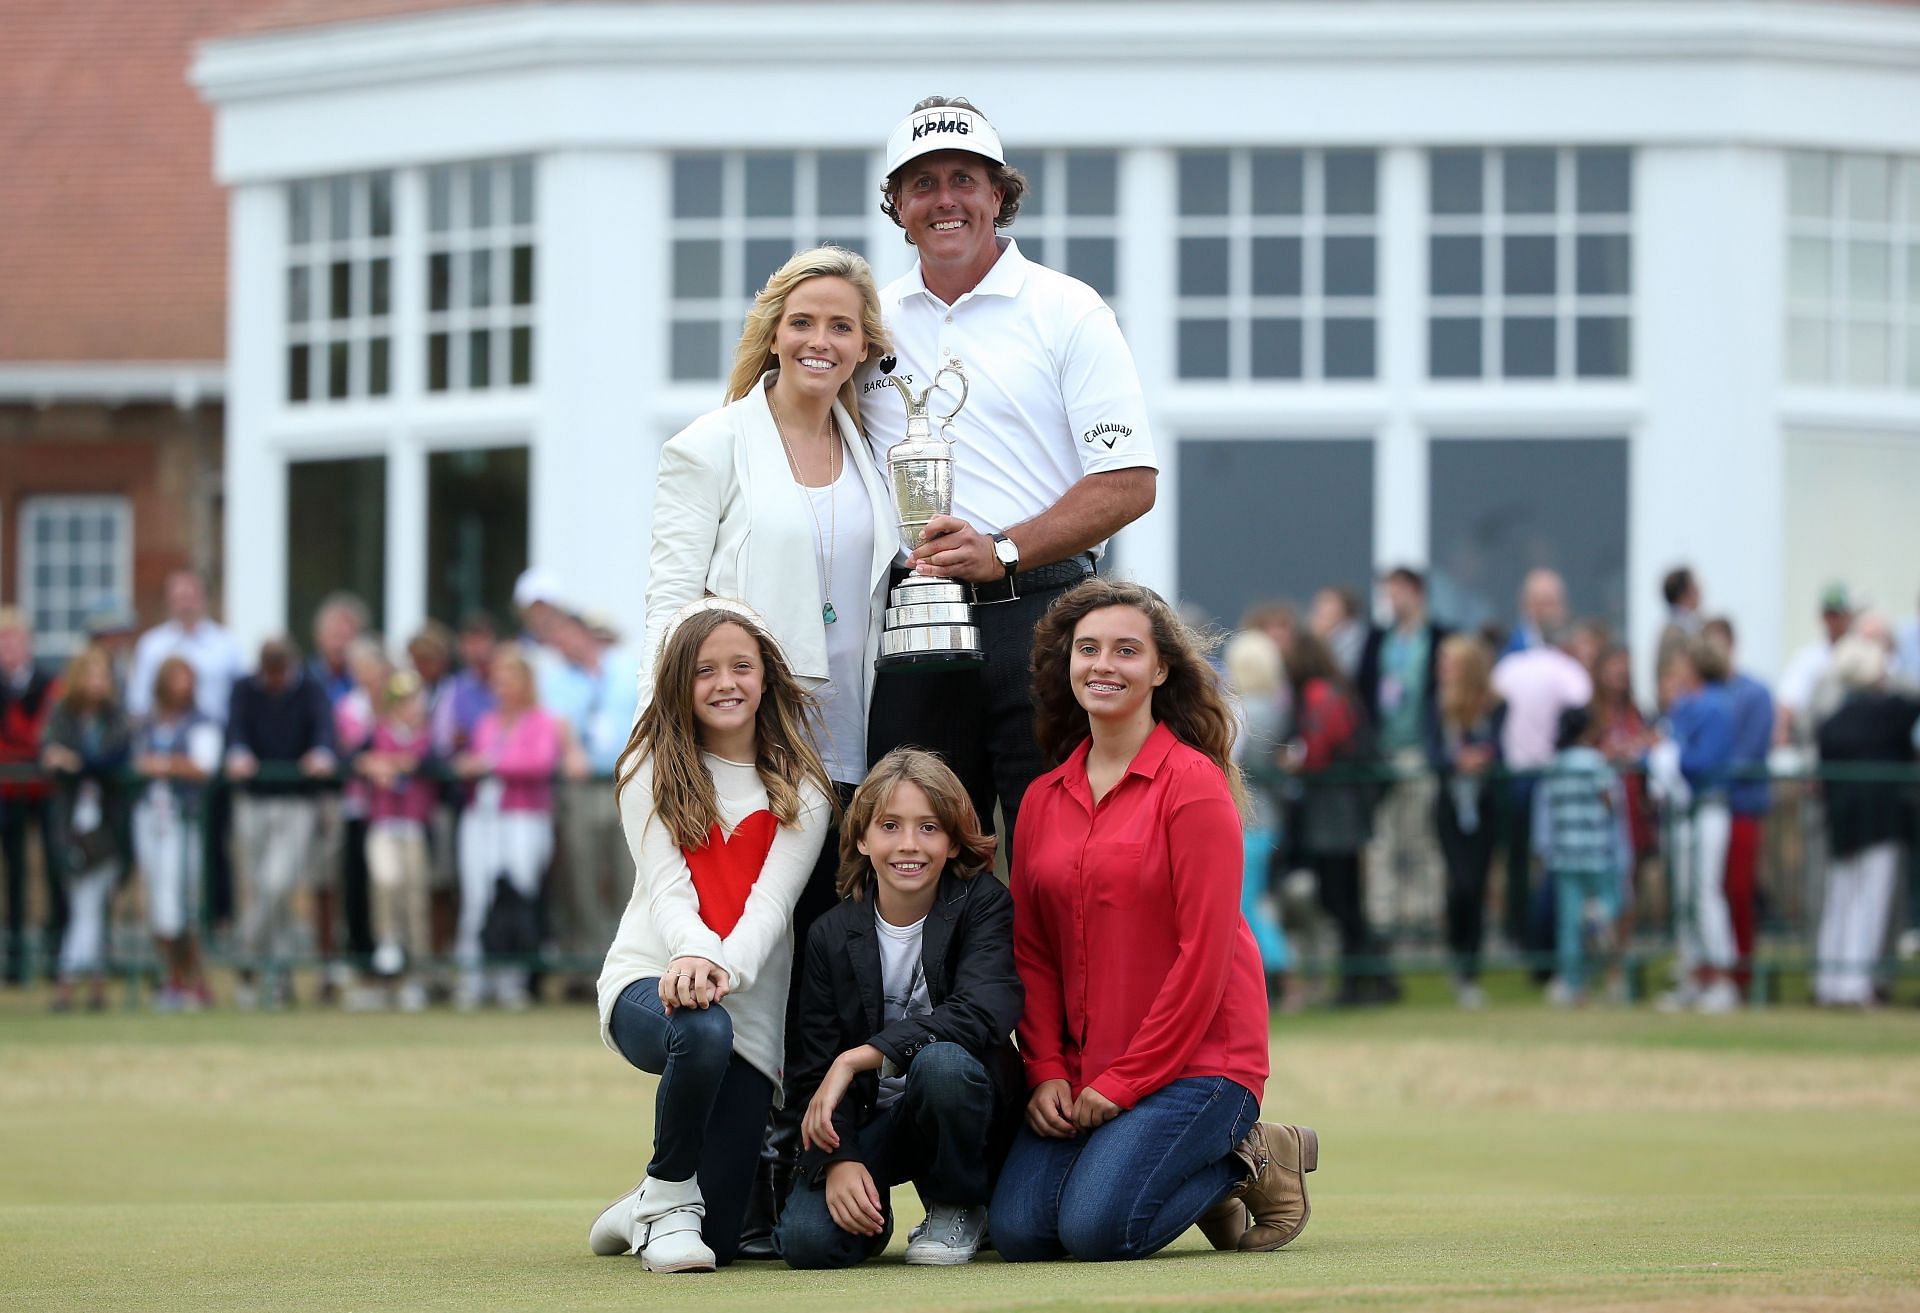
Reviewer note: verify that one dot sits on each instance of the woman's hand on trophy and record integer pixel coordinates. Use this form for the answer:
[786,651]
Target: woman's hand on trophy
[950,548]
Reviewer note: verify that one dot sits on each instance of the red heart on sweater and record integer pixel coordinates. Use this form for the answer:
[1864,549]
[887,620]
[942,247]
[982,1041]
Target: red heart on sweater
[725,867]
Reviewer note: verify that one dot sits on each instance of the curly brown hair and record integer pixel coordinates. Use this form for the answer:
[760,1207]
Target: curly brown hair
[1189,702]
[1011,182]
[668,734]
[952,805]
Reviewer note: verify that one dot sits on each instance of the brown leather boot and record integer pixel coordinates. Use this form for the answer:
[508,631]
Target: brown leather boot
[1225,1222]
[1278,1159]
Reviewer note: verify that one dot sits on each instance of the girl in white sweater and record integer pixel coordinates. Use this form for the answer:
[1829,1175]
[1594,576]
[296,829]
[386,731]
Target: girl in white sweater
[725,804]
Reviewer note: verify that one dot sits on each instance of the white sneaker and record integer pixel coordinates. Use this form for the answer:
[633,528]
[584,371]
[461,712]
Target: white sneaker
[1562,995]
[411,997]
[388,959]
[1469,995]
[951,1234]
[1720,997]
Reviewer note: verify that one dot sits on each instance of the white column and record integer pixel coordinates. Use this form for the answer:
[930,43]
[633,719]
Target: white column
[406,568]
[600,363]
[1400,529]
[255,550]
[1147,189]
[1706,479]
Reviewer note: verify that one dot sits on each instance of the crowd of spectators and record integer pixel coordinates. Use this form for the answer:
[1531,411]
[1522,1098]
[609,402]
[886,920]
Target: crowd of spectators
[1398,762]
[379,809]
[433,818]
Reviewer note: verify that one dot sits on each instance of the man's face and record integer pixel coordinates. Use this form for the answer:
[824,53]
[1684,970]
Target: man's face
[1404,600]
[333,630]
[1546,601]
[476,649]
[1836,624]
[947,207]
[186,600]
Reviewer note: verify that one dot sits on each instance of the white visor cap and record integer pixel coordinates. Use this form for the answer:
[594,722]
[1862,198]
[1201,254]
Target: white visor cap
[942,127]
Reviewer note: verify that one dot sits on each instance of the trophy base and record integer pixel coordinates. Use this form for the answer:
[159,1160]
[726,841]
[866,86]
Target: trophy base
[929,626]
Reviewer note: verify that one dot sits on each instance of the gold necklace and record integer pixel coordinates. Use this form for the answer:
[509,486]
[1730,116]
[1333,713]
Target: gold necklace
[824,539]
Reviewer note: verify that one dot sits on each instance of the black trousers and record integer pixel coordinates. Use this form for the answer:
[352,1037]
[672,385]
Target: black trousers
[1469,860]
[1362,954]
[979,721]
[16,814]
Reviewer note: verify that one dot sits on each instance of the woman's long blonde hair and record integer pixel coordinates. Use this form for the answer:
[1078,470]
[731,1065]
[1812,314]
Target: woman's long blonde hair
[754,356]
[1469,696]
[668,735]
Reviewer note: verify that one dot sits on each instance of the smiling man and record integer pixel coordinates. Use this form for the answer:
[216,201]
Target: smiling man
[1053,454]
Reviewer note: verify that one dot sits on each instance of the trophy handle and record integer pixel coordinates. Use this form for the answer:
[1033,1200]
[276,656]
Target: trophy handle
[935,387]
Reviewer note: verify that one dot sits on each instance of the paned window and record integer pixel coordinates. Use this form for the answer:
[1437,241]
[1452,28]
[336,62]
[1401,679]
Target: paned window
[76,556]
[1069,218]
[1853,270]
[480,272]
[1278,262]
[1529,263]
[737,217]
[339,288]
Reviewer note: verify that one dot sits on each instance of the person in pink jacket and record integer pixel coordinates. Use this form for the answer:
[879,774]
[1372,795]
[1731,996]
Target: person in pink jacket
[506,836]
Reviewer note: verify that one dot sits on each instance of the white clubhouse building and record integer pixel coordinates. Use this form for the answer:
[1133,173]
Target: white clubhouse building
[1478,286]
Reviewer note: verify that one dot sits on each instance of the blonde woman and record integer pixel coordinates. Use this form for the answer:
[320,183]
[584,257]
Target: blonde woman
[773,499]
[1463,746]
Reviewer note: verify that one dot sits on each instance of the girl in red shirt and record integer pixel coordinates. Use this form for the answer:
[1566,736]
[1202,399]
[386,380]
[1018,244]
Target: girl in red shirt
[1145,1033]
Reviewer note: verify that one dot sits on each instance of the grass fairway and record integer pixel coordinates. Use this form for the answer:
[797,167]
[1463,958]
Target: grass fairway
[1515,1159]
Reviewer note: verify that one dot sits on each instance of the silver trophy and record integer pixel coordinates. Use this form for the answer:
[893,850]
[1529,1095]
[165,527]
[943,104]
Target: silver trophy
[929,622]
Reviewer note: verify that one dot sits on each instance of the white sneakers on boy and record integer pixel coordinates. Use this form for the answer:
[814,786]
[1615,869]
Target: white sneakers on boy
[659,1221]
[951,1234]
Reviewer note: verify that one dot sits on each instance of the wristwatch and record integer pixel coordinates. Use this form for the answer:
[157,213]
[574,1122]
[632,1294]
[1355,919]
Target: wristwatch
[1006,552]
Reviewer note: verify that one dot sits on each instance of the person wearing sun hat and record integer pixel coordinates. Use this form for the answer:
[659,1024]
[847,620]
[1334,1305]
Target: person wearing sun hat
[1054,451]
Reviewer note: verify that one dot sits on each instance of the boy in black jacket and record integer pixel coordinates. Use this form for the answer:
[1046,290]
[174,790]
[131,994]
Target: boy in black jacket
[906,1005]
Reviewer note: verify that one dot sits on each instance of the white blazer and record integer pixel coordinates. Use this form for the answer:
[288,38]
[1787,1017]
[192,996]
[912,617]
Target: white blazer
[729,520]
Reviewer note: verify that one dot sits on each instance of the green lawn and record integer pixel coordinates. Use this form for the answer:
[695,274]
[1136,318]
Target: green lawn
[1516,1159]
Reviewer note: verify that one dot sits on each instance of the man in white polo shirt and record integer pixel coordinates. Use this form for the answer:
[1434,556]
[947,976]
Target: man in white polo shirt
[1053,453]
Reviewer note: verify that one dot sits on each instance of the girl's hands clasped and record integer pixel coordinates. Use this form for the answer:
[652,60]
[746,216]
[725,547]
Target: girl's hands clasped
[1050,1110]
[1054,1112]
[693,982]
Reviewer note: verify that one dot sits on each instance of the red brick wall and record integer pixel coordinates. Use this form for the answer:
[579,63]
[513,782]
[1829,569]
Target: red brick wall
[166,461]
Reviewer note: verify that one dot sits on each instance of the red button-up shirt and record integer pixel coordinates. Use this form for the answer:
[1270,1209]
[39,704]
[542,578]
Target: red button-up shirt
[1127,933]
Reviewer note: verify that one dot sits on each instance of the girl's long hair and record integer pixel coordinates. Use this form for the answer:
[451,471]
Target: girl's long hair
[1471,696]
[72,700]
[951,805]
[668,734]
[754,356]
[1189,702]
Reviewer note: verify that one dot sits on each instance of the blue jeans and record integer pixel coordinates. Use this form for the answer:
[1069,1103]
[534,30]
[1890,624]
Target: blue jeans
[935,1135]
[1572,889]
[1128,1188]
[709,1109]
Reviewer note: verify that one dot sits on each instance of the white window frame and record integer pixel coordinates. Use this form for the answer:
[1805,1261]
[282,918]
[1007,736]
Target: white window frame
[1566,306]
[62,642]
[1313,307]
[500,318]
[733,228]
[319,332]
[1838,313]
[1045,224]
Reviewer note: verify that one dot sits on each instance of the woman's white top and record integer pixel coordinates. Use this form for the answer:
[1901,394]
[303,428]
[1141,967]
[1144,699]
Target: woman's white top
[662,920]
[845,514]
[729,520]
